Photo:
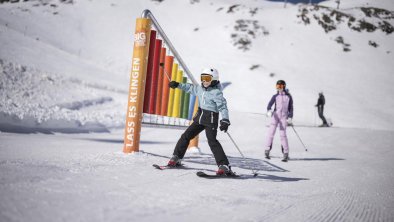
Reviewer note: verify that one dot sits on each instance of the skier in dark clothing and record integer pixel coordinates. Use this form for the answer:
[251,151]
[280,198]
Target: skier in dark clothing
[211,102]
[320,109]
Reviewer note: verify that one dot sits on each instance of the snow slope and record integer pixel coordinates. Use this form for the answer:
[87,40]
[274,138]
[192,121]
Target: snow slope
[346,175]
[64,68]
[90,42]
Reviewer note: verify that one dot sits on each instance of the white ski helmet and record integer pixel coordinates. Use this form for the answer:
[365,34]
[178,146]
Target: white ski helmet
[211,71]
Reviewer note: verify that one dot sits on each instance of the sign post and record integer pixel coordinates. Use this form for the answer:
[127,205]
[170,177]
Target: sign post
[137,86]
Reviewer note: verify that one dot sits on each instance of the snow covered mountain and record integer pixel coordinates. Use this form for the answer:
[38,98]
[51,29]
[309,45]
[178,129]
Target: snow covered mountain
[345,52]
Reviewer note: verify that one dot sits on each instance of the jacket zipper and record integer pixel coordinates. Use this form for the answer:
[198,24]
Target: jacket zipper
[283,111]
[211,117]
[202,111]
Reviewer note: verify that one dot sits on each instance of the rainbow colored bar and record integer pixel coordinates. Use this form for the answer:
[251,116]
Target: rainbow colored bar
[159,99]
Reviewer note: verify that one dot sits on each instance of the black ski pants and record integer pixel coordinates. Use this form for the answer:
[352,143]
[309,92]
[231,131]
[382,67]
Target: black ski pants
[320,110]
[192,131]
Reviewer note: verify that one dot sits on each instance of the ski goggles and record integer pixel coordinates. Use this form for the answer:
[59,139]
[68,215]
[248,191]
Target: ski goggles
[206,78]
[280,86]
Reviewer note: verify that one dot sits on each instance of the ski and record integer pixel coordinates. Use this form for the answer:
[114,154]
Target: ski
[214,176]
[285,159]
[164,167]
[277,157]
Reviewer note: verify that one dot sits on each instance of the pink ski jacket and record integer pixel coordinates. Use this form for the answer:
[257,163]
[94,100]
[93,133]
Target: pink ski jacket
[283,104]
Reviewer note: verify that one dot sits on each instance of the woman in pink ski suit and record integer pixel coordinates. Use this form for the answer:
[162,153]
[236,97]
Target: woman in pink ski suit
[281,116]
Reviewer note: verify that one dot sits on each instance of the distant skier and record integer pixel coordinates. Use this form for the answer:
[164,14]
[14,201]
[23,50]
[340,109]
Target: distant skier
[321,101]
[211,102]
[281,116]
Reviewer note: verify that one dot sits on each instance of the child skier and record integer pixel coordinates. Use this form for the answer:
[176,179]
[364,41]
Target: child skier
[281,115]
[211,102]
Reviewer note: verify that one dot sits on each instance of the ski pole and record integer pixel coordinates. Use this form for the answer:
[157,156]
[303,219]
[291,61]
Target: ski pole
[228,134]
[165,72]
[315,117]
[299,138]
[262,114]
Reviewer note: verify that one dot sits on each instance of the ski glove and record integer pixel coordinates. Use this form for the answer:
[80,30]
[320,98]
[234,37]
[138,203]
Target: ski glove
[173,84]
[289,121]
[269,113]
[224,123]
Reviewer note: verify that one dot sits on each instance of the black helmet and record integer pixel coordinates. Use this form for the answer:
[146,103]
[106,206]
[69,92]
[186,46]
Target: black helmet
[281,82]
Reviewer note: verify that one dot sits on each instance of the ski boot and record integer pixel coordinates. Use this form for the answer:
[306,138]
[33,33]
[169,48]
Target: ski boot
[175,161]
[267,154]
[225,170]
[285,157]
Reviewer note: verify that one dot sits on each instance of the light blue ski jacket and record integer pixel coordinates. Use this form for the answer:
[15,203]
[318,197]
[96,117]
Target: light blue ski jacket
[210,98]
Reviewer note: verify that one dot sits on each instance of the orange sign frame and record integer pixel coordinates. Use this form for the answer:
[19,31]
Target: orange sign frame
[137,86]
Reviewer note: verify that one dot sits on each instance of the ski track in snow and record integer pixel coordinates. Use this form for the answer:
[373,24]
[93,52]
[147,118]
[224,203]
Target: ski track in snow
[346,205]
[92,170]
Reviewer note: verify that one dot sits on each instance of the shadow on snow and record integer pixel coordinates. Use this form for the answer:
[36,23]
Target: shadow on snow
[250,164]
[255,165]
[314,159]
[298,1]
[121,141]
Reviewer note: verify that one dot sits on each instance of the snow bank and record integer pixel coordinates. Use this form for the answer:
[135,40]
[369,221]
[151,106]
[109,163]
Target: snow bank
[35,101]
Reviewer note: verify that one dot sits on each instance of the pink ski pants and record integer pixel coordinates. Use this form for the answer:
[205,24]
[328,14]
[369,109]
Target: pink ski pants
[282,123]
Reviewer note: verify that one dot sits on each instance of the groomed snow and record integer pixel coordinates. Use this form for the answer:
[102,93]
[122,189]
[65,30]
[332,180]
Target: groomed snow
[346,175]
